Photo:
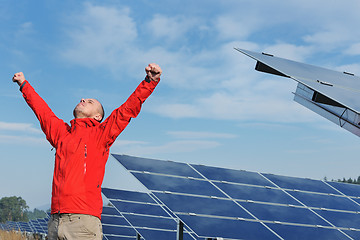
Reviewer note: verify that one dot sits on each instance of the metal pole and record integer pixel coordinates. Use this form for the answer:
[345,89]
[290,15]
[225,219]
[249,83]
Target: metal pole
[138,237]
[180,230]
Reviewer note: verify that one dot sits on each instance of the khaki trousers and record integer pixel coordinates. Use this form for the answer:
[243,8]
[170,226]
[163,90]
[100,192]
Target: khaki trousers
[68,226]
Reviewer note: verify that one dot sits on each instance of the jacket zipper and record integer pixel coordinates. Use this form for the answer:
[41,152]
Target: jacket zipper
[85,159]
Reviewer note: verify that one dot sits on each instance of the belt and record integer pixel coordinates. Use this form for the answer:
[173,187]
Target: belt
[66,216]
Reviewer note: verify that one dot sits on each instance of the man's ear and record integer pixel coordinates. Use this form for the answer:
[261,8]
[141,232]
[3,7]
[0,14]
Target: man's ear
[98,117]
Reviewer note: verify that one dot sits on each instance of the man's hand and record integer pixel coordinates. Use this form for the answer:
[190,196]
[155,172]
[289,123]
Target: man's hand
[153,72]
[19,78]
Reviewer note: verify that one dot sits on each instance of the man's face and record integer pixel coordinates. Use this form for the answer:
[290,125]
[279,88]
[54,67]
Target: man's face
[88,108]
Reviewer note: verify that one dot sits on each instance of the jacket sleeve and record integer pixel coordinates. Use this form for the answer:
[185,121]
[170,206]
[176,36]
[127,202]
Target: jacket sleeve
[52,126]
[120,117]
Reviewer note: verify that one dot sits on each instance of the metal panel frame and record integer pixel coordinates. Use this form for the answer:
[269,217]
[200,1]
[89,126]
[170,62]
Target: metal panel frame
[333,95]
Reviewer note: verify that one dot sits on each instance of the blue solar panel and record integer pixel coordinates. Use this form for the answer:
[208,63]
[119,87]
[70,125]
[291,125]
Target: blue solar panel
[156,166]
[25,227]
[37,228]
[176,184]
[145,209]
[281,213]
[346,189]
[300,184]
[153,222]
[118,231]
[144,214]
[353,234]
[303,232]
[264,206]
[11,225]
[341,219]
[109,211]
[326,201]
[114,220]
[231,175]
[261,194]
[115,226]
[202,205]
[109,237]
[43,223]
[206,227]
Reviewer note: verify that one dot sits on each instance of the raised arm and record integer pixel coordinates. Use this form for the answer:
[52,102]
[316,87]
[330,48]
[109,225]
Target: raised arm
[51,125]
[120,117]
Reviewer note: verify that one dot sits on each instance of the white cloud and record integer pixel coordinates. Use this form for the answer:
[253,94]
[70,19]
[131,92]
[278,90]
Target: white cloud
[350,68]
[177,110]
[222,106]
[172,147]
[122,143]
[236,26]
[99,35]
[354,49]
[200,135]
[10,139]
[23,127]
[220,83]
[289,51]
[332,37]
[29,134]
[251,96]
[25,29]
[173,28]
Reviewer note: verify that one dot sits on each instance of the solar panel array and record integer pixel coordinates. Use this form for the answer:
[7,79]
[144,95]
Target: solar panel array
[115,226]
[140,211]
[234,204]
[219,203]
[38,226]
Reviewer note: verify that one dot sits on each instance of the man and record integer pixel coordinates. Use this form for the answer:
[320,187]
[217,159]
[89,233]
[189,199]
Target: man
[82,150]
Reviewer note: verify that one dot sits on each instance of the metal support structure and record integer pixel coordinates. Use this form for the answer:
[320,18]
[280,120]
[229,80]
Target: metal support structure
[138,237]
[180,230]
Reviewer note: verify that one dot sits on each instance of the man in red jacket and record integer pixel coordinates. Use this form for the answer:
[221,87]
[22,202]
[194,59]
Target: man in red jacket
[82,150]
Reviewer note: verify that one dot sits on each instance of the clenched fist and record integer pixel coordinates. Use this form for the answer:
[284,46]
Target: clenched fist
[19,78]
[153,72]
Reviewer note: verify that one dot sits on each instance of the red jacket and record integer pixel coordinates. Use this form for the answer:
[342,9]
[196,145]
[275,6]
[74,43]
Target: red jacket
[82,149]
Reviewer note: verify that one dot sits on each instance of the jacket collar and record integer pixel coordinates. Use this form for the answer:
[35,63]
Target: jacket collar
[83,122]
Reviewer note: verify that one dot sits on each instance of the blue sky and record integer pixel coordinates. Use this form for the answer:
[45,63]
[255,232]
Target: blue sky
[211,106]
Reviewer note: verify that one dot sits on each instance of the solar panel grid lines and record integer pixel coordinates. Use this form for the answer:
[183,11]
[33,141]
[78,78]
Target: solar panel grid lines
[111,237]
[167,175]
[307,186]
[157,166]
[115,227]
[33,226]
[43,223]
[187,187]
[37,228]
[267,176]
[315,201]
[237,203]
[144,214]
[338,194]
[266,221]
[136,201]
[346,188]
